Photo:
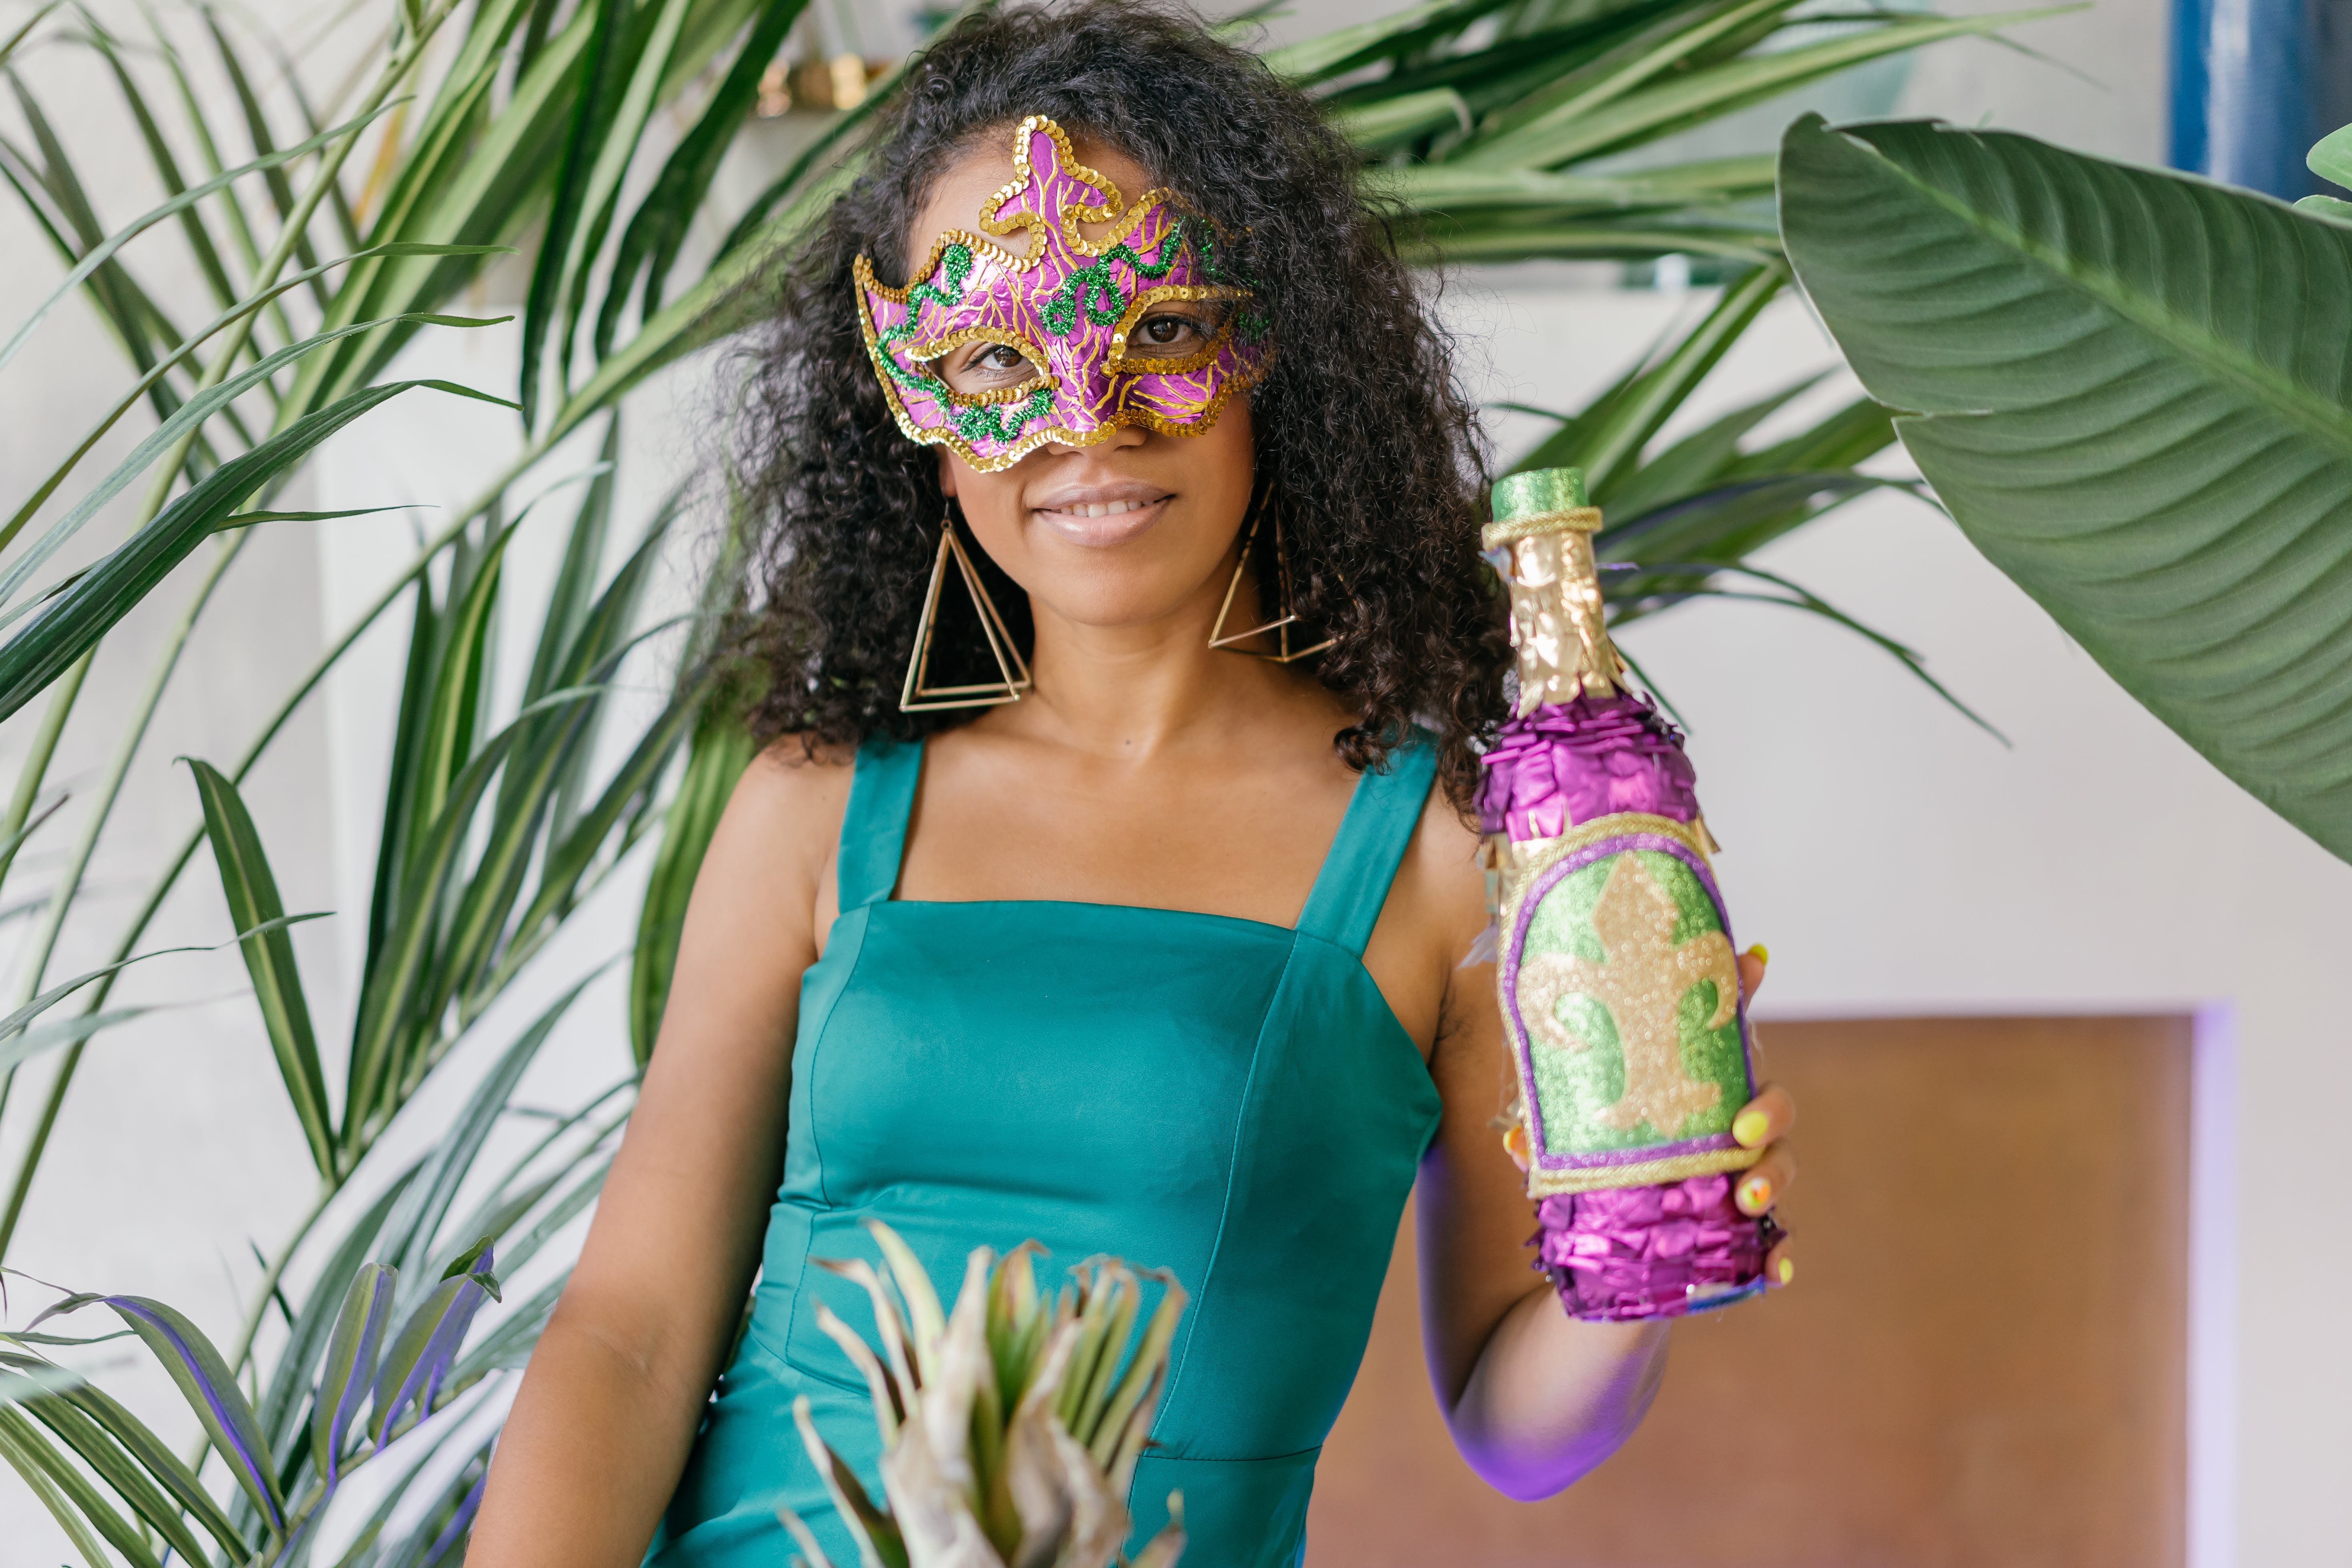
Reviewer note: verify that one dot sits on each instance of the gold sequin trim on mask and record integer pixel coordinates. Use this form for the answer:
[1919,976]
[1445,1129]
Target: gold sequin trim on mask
[940,348]
[1190,293]
[1072,217]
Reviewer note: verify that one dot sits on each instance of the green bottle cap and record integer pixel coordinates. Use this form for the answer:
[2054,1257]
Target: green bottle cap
[1537,492]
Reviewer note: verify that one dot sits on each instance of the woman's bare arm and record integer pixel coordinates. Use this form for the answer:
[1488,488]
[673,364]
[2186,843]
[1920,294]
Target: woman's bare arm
[615,1390]
[1533,1398]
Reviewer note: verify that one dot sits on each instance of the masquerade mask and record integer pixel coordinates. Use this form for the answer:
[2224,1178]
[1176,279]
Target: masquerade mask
[1070,306]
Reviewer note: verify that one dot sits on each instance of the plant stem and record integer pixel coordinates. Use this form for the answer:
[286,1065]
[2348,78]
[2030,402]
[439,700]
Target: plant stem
[275,1272]
[69,883]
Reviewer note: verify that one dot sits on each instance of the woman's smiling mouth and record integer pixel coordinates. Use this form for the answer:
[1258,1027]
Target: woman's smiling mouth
[1104,515]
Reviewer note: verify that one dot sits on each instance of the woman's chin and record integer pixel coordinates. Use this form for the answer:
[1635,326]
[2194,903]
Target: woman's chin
[1121,612]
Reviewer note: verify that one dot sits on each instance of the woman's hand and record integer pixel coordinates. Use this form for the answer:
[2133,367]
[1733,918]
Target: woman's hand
[1764,1123]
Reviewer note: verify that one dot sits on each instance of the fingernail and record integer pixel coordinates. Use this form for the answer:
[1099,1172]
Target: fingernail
[1787,1269]
[1750,1127]
[1760,954]
[1756,1193]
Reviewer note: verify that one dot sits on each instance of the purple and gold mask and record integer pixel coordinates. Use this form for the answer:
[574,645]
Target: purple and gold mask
[1067,306]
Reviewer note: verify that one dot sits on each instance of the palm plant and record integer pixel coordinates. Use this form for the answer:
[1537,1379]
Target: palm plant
[328,243]
[1688,513]
[2128,388]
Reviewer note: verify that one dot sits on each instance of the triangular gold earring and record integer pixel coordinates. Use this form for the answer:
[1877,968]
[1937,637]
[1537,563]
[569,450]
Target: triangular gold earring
[918,696]
[1280,627]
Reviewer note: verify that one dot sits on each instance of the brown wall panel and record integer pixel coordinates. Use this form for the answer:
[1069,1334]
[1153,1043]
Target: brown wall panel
[1981,1361]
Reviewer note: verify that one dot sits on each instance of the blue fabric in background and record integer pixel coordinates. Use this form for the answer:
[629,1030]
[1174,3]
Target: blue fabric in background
[2250,80]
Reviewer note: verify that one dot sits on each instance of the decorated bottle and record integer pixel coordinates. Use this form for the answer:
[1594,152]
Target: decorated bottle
[1620,990]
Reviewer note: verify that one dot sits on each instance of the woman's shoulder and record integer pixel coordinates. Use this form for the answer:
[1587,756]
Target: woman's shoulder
[1440,872]
[792,774]
[783,819]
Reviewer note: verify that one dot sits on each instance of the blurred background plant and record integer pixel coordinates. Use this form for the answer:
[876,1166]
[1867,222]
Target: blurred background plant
[333,224]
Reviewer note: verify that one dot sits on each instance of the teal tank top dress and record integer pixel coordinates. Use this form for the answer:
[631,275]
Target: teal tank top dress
[1228,1099]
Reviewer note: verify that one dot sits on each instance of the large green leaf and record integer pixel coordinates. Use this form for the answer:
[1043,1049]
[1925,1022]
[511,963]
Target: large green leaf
[112,1462]
[100,253]
[183,420]
[98,1430]
[591,108]
[308,1339]
[2130,390]
[657,233]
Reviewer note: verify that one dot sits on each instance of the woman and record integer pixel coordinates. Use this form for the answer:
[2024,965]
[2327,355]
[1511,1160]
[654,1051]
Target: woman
[1161,959]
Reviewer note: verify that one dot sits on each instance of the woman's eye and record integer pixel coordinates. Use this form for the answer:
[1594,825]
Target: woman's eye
[985,367]
[997,359]
[1167,334]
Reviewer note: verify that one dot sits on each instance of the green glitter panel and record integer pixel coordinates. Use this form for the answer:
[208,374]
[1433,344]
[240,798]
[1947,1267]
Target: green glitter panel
[1577,1086]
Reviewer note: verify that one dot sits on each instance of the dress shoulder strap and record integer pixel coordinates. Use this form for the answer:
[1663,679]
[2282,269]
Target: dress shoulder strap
[1354,881]
[873,825]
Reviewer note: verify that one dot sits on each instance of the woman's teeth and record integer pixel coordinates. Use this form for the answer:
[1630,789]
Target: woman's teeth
[1105,508]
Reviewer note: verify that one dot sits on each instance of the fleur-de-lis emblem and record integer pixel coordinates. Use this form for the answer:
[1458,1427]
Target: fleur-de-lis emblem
[1642,983]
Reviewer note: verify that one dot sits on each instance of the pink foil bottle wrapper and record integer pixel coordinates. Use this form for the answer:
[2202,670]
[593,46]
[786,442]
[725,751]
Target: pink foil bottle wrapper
[1619,986]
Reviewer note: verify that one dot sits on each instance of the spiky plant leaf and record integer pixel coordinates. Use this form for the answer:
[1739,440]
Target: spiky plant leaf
[981,1466]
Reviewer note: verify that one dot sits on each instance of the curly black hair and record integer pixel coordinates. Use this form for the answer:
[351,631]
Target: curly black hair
[1360,427]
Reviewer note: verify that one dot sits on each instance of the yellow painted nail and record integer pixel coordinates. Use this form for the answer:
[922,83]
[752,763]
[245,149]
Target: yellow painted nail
[1750,1127]
[1757,1193]
[1760,954]
[1787,1269]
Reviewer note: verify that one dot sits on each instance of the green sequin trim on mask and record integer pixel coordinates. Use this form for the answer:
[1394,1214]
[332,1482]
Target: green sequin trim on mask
[955,262]
[1095,291]
[1001,421]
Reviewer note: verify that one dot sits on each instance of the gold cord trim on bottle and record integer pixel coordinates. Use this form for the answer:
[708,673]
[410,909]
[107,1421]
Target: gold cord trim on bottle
[1579,518]
[1543,1183]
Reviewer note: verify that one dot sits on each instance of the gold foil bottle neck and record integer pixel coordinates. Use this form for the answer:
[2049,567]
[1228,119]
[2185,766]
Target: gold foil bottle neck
[1542,531]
